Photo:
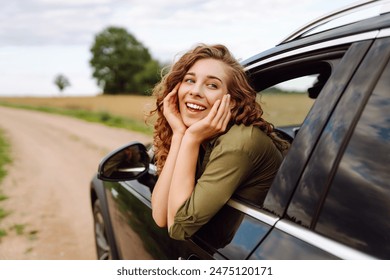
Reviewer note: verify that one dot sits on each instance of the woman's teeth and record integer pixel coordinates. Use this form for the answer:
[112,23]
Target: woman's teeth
[195,107]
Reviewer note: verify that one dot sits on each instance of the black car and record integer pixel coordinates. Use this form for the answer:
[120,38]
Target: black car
[331,196]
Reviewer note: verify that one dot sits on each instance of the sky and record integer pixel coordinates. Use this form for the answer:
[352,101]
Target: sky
[40,39]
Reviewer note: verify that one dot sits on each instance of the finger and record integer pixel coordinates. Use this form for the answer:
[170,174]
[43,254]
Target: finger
[226,120]
[227,112]
[227,105]
[176,88]
[172,93]
[214,110]
[223,109]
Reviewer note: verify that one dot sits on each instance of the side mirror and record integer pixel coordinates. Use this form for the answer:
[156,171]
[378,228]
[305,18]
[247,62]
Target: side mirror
[126,163]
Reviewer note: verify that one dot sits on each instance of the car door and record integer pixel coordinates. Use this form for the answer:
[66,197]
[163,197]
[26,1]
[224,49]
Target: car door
[136,234]
[339,207]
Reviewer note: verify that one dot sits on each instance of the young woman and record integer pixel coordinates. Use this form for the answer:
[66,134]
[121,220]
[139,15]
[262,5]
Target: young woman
[210,141]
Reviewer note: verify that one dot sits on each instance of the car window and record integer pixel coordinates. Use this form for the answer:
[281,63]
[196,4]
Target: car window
[357,208]
[287,103]
[288,89]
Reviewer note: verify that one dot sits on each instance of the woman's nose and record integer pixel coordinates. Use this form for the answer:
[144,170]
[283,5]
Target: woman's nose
[196,90]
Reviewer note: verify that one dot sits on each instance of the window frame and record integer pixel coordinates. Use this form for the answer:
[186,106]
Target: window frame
[321,167]
[293,165]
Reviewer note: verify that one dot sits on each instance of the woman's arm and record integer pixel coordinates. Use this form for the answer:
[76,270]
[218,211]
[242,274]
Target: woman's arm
[177,179]
[183,179]
[161,189]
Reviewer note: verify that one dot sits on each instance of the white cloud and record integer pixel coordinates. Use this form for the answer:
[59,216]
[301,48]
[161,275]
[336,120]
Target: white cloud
[59,33]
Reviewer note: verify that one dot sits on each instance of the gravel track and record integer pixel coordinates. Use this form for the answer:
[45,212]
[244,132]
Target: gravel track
[54,158]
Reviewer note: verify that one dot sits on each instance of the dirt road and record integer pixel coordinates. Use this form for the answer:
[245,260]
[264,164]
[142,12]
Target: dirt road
[54,158]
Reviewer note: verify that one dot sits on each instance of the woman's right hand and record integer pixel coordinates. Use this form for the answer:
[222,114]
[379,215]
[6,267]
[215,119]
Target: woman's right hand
[171,112]
[214,123]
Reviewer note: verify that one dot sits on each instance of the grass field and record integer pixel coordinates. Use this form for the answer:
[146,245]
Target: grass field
[4,160]
[128,106]
[279,109]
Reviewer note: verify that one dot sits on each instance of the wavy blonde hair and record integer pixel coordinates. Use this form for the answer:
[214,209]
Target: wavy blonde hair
[245,109]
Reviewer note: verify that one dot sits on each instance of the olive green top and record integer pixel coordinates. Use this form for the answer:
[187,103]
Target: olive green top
[243,161]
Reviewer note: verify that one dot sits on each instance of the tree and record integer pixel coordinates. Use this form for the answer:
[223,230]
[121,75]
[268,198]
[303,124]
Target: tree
[61,82]
[147,78]
[121,63]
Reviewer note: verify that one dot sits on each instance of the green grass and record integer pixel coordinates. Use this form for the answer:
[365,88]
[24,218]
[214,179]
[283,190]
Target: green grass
[3,213]
[2,233]
[4,160]
[91,116]
[4,156]
[3,197]
[19,228]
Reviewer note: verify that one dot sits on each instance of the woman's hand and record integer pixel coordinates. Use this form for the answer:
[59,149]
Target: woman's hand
[215,122]
[171,112]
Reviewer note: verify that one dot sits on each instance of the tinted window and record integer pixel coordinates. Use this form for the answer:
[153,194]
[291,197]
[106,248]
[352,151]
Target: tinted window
[357,208]
[287,91]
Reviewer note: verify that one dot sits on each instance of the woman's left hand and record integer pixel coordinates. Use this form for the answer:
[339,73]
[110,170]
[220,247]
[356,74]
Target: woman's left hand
[214,123]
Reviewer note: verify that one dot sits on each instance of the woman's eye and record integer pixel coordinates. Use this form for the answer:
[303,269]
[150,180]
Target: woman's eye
[213,86]
[190,81]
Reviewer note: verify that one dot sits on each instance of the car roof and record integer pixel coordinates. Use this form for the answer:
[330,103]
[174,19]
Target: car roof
[350,14]
[359,21]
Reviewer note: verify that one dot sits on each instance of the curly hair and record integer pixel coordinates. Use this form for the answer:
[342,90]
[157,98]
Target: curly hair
[245,110]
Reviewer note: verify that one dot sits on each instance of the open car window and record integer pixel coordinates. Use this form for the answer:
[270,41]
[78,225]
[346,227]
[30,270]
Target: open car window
[288,89]
[287,103]
[287,94]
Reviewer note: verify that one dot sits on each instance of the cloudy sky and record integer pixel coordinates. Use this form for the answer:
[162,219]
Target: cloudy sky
[40,39]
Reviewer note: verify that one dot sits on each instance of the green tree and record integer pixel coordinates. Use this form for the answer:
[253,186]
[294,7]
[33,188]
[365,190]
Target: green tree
[122,64]
[147,78]
[61,82]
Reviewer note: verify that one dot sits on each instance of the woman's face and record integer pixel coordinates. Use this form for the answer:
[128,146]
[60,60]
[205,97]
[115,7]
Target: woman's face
[204,83]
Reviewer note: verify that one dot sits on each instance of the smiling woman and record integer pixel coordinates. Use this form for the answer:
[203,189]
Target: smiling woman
[210,141]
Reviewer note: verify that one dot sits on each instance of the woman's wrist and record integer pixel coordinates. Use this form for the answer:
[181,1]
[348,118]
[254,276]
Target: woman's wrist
[177,136]
[192,139]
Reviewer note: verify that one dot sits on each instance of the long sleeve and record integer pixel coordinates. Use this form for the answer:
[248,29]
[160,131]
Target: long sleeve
[244,158]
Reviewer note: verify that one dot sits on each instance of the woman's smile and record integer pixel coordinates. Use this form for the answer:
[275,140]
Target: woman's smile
[203,84]
[195,107]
